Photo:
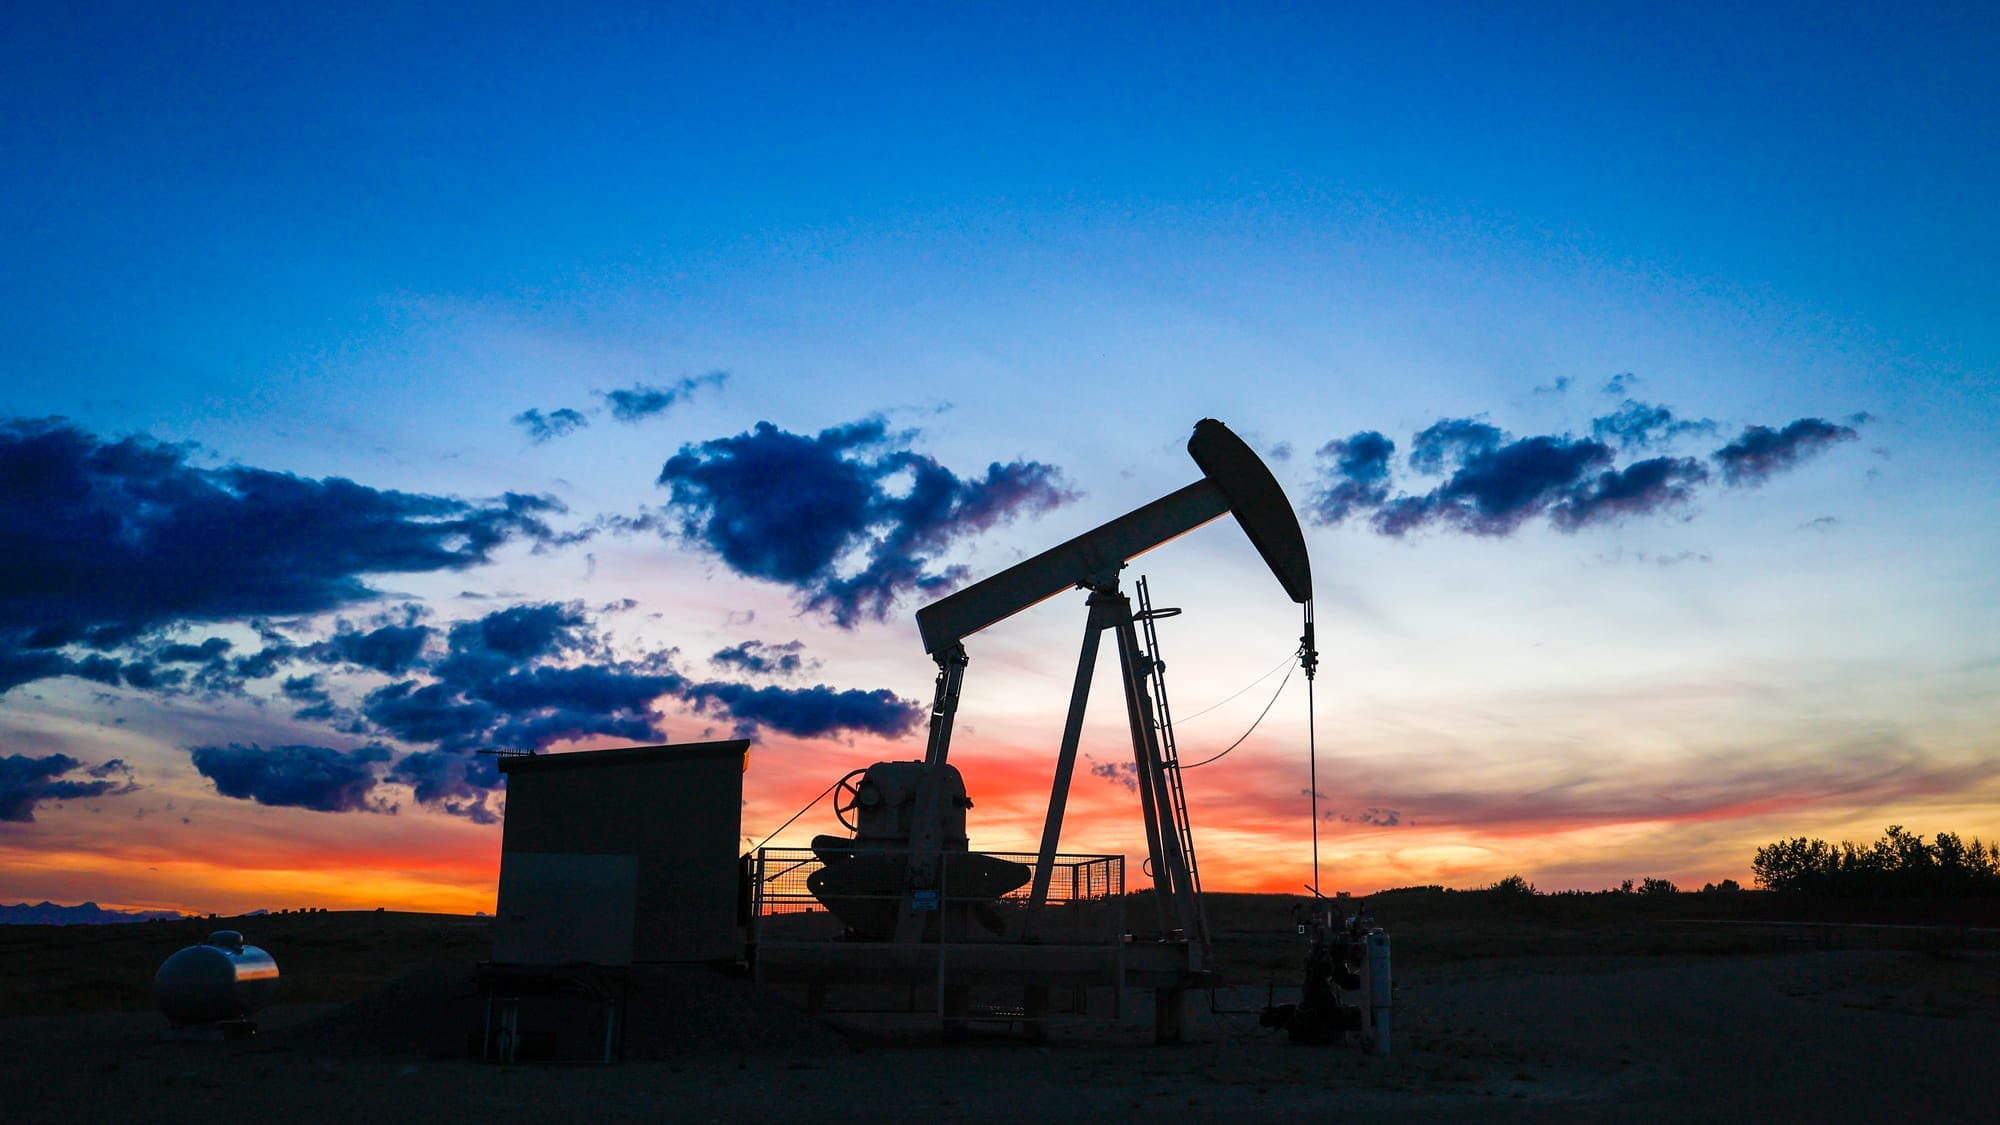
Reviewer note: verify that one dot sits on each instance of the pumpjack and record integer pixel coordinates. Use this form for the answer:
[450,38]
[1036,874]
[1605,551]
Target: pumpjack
[908,818]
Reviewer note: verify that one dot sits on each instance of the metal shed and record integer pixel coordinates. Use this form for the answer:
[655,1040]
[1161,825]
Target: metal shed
[614,856]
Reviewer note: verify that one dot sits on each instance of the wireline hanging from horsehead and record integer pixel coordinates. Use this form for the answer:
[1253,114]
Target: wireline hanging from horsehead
[916,811]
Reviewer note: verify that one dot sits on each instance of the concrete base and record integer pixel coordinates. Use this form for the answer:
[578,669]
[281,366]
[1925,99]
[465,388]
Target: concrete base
[954,970]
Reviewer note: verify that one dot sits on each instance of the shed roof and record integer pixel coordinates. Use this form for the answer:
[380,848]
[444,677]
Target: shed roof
[624,755]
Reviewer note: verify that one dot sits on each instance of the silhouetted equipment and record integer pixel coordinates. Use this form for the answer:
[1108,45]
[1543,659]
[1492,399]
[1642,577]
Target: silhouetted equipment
[217,984]
[861,877]
[608,858]
[912,864]
[614,856]
[1346,985]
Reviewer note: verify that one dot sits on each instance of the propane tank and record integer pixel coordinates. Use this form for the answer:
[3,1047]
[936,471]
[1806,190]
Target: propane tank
[222,979]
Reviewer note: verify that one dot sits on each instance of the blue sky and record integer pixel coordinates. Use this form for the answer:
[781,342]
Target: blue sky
[364,244]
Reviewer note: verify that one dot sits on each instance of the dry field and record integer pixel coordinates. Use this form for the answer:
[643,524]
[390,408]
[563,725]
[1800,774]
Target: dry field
[1588,1008]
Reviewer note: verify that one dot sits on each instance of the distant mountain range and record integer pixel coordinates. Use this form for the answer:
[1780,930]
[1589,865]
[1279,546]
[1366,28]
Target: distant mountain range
[88,914]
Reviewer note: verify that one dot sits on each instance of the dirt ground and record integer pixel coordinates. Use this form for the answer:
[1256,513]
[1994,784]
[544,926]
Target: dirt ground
[1772,1035]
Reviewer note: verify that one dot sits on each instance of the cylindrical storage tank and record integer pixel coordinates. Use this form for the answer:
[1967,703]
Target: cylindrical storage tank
[221,980]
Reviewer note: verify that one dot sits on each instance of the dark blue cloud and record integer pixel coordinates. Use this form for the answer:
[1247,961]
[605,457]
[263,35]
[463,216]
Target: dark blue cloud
[1450,441]
[1403,515]
[608,688]
[19,667]
[524,632]
[521,678]
[209,651]
[55,634]
[760,659]
[1638,489]
[110,540]
[525,677]
[531,676]
[1494,483]
[165,667]
[317,703]
[148,676]
[636,403]
[457,784]
[775,505]
[543,428]
[1356,479]
[26,782]
[1637,425]
[1497,489]
[814,712]
[438,712]
[512,681]
[98,669]
[171,668]
[539,706]
[308,777]
[262,664]
[516,636]
[642,401]
[1760,453]
[390,649]
[802,511]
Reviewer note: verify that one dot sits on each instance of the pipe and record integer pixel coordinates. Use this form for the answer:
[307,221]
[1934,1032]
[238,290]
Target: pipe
[1379,998]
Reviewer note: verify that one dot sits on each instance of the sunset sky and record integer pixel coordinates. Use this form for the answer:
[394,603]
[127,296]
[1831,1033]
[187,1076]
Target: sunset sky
[383,386]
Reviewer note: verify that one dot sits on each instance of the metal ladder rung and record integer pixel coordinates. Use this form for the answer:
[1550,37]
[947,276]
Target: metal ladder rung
[1170,759]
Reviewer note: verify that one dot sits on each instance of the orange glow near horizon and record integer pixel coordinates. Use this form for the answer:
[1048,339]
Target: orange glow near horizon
[201,886]
[1250,820]
[1248,857]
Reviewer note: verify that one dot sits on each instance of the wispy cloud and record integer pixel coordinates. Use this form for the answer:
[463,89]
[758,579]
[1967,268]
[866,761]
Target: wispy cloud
[629,405]
[1124,774]
[641,401]
[1370,817]
[760,659]
[1567,792]
[542,428]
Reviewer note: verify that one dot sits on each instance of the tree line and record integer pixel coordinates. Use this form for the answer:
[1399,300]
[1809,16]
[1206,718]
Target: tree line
[1516,885]
[1901,864]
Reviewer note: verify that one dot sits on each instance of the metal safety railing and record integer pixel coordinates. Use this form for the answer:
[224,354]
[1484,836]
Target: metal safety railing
[1085,904]
[832,922]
